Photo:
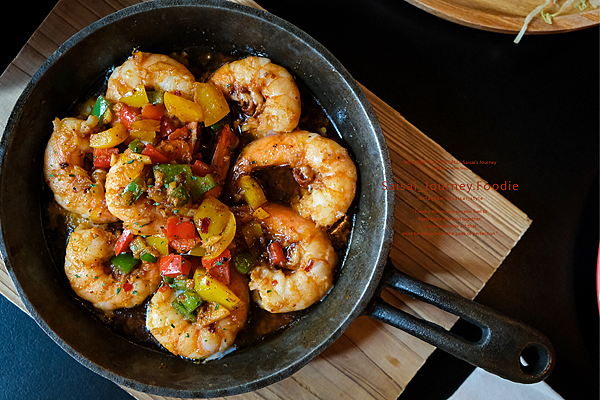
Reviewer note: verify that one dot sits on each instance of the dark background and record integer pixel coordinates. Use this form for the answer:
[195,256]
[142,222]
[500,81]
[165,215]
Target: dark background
[532,107]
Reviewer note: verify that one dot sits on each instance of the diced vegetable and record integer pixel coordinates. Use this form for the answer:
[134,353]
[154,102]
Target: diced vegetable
[148,258]
[225,239]
[222,155]
[190,316]
[243,262]
[142,250]
[100,108]
[174,265]
[252,233]
[276,254]
[260,213]
[201,169]
[210,289]
[197,251]
[137,98]
[102,157]
[133,191]
[197,185]
[177,284]
[190,300]
[136,146]
[185,110]
[201,185]
[156,97]
[178,228]
[185,246]
[213,103]
[123,241]
[211,218]
[253,193]
[144,130]
[110,137]
[161,244]
[128,115]
[155,155]
[124,262]
[155,112]
[218,267]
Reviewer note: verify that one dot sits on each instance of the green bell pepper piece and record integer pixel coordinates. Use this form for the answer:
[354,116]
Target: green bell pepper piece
[124,261]
[100,107]
[244,262]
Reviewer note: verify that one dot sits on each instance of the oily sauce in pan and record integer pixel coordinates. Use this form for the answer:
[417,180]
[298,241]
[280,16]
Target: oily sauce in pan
[279,186]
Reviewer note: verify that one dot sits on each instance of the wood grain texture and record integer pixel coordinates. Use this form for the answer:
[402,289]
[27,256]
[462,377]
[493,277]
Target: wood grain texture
[507,16]
[371,360]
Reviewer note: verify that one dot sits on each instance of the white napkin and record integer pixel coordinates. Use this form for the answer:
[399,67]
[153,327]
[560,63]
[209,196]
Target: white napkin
[485,386]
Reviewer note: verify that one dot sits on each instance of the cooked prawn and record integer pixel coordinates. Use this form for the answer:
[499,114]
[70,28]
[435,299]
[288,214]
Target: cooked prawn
[214,330]
[75,189]
[88,251]
[310,256]
[266,92]
[143,217]
[321,166]
[155,71]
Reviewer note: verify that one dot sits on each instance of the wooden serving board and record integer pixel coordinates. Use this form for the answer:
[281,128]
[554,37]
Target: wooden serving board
[371,360]
[508,16]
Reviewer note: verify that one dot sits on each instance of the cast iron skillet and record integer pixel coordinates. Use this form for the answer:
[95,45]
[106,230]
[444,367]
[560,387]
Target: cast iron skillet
[165,26]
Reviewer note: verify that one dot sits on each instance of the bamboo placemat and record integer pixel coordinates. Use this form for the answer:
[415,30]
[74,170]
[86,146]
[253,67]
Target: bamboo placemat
[371,360]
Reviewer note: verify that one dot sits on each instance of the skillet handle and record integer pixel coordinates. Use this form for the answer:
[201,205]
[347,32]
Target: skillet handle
[503,342]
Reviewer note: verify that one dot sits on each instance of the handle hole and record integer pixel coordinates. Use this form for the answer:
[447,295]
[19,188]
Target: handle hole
[468,330]
[534,359]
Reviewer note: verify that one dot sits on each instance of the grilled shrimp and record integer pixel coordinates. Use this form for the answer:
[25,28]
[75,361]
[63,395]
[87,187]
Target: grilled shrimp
[322,167]
[266,92]
[75,189]
[143,216]
[88,251]
[213,332]
[310,257]
[155,71]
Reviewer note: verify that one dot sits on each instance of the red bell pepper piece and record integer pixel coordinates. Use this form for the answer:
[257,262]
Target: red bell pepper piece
[166,127]
[184,245]
[123,242]
[180,229]
[102,157]
[151,111]
[201,169]
[222,155]
[276,254]
[174,265]
[156,156]
[179,134]
[218,267]
[128,115]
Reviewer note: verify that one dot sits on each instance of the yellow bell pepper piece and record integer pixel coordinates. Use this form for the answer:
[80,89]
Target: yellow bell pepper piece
[211,289]
[260,213]
[212,101]
[216,247]
[161,244]
[137,98]
[253,193]
[145,130]
[197,251]
[185,110]
[217,214]
[110,137]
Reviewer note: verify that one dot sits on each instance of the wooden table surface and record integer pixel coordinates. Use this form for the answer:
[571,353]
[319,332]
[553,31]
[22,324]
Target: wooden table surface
[371,359]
